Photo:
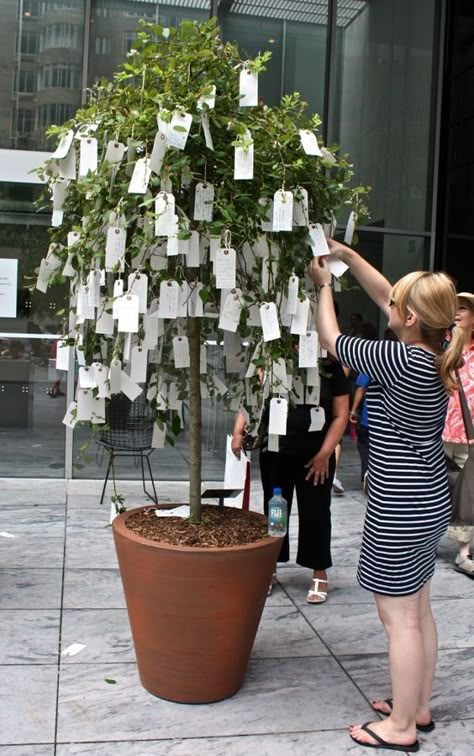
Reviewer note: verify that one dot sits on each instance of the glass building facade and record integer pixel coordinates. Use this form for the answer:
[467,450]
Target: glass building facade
[373,69]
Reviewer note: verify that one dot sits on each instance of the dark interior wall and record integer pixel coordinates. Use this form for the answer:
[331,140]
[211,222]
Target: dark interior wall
[455,224]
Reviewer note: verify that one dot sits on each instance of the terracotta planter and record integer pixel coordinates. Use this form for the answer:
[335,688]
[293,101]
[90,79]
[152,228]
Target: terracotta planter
[194,612]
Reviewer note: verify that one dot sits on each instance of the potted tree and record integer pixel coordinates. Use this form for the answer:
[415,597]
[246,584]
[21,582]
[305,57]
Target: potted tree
[185,210]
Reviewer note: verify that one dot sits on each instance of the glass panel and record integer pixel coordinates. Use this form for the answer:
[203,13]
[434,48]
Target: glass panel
[395,256]
[297,40]
[40,64]
[114,28]
[386,61]
[32,402]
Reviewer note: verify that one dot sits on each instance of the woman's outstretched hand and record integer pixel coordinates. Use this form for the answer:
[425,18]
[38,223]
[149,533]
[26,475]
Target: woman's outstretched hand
[318,270]
[319,467]
[339,250]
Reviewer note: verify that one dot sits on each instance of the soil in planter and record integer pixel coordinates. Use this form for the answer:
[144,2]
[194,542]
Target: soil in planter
[221,526]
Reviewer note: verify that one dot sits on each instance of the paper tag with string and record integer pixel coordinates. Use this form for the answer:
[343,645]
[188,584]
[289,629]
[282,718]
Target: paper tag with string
[88,159]
[165,216]
[140,177]
[300,207]
[179,128]
[128,313]
[308,350]
[299,321]
[278,416]
[243,159]
[138,284]
[248,88]
[169,298]
[114,152]
[203,201]
[309,142]
[269,320]
[282,210]
[225,268]
[115,249]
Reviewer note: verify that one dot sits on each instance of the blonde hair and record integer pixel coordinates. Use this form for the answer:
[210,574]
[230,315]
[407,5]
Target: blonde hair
[432,298]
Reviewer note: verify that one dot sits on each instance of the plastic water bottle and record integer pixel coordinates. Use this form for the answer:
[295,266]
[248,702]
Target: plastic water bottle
[277,514]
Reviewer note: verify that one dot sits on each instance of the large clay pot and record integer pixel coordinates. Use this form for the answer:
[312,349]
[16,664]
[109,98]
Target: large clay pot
[194,612]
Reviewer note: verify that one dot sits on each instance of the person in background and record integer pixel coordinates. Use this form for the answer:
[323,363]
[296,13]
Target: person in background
[360,418]
[454,434]
[405,518]
[305,463]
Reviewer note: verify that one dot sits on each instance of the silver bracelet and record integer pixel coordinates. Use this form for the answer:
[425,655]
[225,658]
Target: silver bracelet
[320,286]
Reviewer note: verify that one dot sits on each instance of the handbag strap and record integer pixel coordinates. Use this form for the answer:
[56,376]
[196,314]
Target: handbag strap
[466,415]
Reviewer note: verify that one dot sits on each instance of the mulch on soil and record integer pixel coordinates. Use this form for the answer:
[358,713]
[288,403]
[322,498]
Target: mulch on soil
[221,526]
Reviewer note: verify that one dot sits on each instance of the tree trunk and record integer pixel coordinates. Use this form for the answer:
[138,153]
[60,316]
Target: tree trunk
[195,418]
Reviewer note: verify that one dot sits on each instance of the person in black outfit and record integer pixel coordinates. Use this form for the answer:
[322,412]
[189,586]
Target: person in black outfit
[305,462]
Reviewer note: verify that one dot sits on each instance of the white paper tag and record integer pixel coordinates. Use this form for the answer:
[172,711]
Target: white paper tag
[115,249]
[104,323]
[266,224]
[93,285]
[309,142]
[248,88]
[64,144]
[87,377]
[178,130]
[203,201]
[269,320]
[62,355]
[70,418]
[85,404]
[129,387]
[88,160]
[139,362]
[278,416]
[195,303]
[273,443]
[118,292]
[350,228]
[207,131]
[192,257]
[158,439]
[300,207]
[318,418]
[318,241]
[208,97]
[279,377]
[128,313]
[165,215]
[283,210]
[73,649]
[138,284]
[115,375]
[98,410]
[336,266]
[169,299]
[225,268]
[243,162]
[308,350]
[181,352]
[158,152]
[67,166]
[114,152]
[140,177]
[299,321]
[292,301]
[101,378]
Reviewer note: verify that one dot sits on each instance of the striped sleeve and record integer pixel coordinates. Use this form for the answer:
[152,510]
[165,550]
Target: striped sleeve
[383,361]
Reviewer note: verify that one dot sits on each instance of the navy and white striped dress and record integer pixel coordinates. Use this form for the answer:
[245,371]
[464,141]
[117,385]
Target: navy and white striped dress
[408,506]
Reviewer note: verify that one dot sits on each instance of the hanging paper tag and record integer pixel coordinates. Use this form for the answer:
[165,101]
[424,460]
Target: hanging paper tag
[101,376]
[62,355]
[63,147]
[169,299]
[192,258]
[266,224]
[318,240]
[139,362]
[158,152]
[118,291]
[128,314]
[138,284]
[269,319]
[115,372]
[318,417]
[293,288]
[70,418]
[85,404]
[158,438]
[328,156]
[282,211]
[279,377]
[336,266]
[67,166]
[243,161]
[87,377]
[208,97]
[207,131]
[93,284]
[278,416]
[129,387]
[178,130]
[248,88]
[158,256]
[299,321]
[114,152]
[140,177]
[181,352]
[203,201]
[225,268]
[273,443]
[87,156]
[350,228]
[300,207]
[308,350]
[115,249]
[309,142]
[165,217]
[105,322]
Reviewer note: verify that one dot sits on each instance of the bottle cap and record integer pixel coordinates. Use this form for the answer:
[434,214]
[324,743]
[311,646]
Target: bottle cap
[277,491]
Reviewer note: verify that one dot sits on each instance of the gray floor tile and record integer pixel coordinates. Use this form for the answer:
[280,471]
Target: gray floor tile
[284,632]
[93,548]
[23,588]
[105,633]
[28,696]
[340,627]
[28,750]
[29,636]
[270,697]
[93,589]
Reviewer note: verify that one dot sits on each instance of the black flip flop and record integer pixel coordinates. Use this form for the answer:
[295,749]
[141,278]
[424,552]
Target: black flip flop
[381,743]
[422,728]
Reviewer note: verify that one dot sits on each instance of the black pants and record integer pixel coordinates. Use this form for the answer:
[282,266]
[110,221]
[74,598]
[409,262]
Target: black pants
[363,448]
[288,472]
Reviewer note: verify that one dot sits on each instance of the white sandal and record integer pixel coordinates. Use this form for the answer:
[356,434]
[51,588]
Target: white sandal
[315,595]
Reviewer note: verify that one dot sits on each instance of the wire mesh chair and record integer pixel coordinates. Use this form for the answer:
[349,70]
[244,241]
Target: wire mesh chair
[130,433]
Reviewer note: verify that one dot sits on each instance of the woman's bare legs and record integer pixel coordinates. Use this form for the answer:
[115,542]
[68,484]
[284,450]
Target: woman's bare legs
[412,638]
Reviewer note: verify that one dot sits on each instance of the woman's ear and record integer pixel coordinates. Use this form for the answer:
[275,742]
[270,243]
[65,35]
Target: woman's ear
[411,319]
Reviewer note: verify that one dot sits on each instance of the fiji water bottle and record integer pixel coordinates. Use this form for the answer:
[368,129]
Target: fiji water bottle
[277,514]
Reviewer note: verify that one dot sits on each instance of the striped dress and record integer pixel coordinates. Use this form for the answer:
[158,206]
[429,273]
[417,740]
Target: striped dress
[408,506]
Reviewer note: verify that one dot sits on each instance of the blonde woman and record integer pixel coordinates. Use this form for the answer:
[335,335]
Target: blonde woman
[408,505]
[454,435]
